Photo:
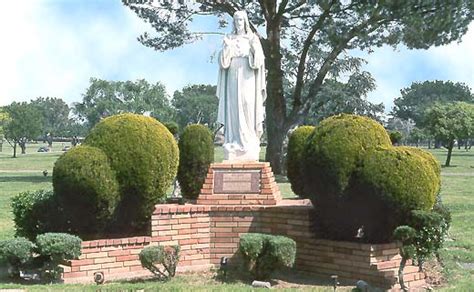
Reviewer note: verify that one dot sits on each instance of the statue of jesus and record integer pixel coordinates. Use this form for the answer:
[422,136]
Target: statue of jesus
[241,91]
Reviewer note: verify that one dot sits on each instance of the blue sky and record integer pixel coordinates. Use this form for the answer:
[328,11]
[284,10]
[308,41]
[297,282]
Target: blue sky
[52,48]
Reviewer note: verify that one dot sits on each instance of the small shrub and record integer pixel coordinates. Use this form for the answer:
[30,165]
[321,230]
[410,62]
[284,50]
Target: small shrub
[406,235]
[56,249]
[29,213]
[86,188]
[295,158]
[172,127]
[431,230]
[16,252]
[196,152]
[395,137]
[167,256]
[266,253]
[144,156]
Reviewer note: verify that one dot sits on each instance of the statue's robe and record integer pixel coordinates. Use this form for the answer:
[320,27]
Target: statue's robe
[241,92]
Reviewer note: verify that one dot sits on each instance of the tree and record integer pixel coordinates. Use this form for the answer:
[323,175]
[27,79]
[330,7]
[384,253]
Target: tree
[55,114]
[25,123]
[303,40]
[104,98]
[4,119]
[451,121]
[196,104]
[414,100]
[337,97]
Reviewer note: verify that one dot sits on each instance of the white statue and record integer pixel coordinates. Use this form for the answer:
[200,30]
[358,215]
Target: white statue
[241,91]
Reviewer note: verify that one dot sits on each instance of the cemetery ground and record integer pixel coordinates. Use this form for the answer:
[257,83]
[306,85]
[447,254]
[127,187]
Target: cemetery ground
[25,173]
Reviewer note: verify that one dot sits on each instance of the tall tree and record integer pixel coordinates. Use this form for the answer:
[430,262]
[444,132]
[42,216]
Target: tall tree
[414,100]
[450,121]
[196,104]
[104,98]
[55,114]
[315,35]
[25,123]
[337,97]
[4,119]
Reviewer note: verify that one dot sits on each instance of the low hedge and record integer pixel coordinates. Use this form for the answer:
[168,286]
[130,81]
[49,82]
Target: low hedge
[266,253]
[151,257]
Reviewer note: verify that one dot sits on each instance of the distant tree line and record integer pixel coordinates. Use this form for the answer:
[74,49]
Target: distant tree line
[436,114]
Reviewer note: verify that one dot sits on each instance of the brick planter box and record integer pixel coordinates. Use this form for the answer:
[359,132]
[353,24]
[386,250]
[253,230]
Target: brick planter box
[208,232]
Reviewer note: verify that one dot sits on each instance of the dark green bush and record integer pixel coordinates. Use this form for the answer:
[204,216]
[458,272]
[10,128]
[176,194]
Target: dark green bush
[16,252]
[358,181]
[335,148]
[56,249]
[402,177]
[196,152]
[395,137]
[172,127]
[167,256]
[86,188]
[266,253]
[29,213]
[144,156]
[295,158]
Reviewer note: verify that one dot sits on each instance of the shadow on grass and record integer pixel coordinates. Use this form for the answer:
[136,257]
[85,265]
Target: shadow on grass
[25,178]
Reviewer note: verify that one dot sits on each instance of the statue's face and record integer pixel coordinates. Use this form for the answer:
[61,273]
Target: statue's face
[239,23]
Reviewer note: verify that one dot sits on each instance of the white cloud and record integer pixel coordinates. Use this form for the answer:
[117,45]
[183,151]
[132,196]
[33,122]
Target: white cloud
[397,69]
[52,48]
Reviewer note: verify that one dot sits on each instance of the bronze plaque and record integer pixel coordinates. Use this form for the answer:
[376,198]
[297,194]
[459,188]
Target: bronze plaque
[232,181]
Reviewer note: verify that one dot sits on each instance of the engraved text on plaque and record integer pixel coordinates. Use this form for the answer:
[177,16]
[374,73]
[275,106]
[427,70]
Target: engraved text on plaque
[236,181]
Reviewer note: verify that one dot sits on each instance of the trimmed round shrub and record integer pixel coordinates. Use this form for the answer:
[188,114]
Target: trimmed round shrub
[295,158]
[56,249]
[59,246]
[151,257]
[361,186]
[87,189]
[426,155]
[266,253]
[196,152]
[16,252]
[403,177]
[334,150]
[144,156]
[29,213]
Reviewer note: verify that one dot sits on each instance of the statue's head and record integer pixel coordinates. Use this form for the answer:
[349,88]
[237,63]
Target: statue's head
[241,23]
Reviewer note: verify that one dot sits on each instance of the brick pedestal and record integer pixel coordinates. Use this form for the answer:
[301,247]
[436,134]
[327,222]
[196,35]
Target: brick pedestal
[239,183]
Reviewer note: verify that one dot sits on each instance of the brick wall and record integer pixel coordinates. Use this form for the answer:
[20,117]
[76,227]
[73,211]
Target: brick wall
[206,233]
[116,258]
[187,226]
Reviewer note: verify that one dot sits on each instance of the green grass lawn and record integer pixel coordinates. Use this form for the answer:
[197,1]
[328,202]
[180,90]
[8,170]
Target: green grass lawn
[25,173]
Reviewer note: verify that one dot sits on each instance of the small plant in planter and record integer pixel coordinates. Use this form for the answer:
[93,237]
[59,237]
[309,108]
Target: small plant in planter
[16,252]
[265,253]
[167,256]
